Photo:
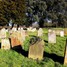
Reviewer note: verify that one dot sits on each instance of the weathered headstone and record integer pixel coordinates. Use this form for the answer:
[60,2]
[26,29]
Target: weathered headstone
[19,36]
[65,58]
[62,33]
[5,44]
[65,32]
[36,50]
[19,28]
[40,32]
[29,29]
[33,29]
[23,34]
[57,32]
[14,39]
[14,29]
[15,42]
[3,33]
[51,36]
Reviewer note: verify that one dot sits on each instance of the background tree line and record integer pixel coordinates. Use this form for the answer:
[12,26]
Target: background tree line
[12,9]
[30,11]
[43,11]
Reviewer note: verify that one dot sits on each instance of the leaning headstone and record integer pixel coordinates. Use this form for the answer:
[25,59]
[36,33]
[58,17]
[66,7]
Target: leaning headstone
[51,36]
[40,32]
[5,44]
[62,33]
[36,50]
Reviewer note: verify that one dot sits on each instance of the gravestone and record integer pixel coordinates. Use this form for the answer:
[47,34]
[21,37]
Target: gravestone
[65,32]
[14,39]
[14,29]
[33,29]
[5,44]
[19,36]
[23,34]
[36,50]
[3,33]
[51,36]
[29,29]
[15,42]
[19,28]
[65,58]
[40,32]
[62,33]
[57,32]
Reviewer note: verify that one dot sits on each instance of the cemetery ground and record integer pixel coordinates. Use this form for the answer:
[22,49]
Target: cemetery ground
[53,53]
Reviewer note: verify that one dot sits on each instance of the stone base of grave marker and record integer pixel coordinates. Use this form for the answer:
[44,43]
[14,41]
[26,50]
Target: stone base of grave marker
[36,50]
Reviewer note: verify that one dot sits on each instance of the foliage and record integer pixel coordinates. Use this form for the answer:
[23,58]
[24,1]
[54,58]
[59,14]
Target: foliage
[26,44]
[40,10]
[12,10]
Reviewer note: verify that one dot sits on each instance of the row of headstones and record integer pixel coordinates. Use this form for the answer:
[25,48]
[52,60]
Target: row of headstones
[52,35]
[15,36]
[16,39]
[21,34]
[3,32]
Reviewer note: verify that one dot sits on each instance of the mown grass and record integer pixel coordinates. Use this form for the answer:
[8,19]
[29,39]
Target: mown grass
[10,58]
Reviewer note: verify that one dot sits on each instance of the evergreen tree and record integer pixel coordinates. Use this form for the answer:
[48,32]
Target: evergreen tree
[12,9]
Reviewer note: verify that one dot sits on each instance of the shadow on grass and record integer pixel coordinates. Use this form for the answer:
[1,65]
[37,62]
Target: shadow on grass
[52,56]
[20,50]
[46,41]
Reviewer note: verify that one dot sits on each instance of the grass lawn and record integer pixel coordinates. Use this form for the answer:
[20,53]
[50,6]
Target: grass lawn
[10,58]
